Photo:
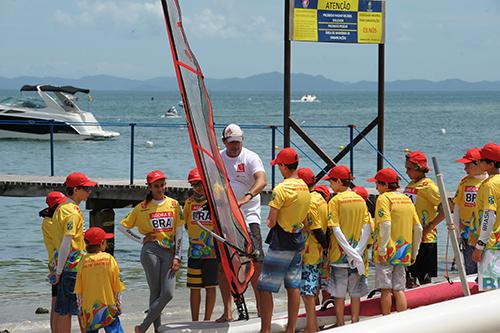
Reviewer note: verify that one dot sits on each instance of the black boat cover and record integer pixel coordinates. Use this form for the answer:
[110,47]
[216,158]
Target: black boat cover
[65,89]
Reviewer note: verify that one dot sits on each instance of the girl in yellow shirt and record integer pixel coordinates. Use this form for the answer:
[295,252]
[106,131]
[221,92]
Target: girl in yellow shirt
[157,218]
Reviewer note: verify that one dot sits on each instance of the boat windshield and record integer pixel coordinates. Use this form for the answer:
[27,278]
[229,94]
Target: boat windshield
[24,102]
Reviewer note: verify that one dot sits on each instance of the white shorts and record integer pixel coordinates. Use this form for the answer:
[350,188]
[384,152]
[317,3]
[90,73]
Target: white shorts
[390,277]
[345,281]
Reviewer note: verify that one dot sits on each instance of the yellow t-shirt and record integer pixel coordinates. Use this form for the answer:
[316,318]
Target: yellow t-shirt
[201,243]
[465,199]
[488,198]
[317,218]
[425,196]
[47,226]
[160,220]
[68,220]
[292,198]
[397,208]
[349,212]
[97,282]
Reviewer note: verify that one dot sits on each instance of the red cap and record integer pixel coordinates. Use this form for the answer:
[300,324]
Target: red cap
[361,191]
[78,179]
[95,236]
[286,156]
[323,190]
[339,172]
[55,198]
[491,151]
[471,155]
[418,158]
[307,175]
[386,175]
[194,175]
[154,176]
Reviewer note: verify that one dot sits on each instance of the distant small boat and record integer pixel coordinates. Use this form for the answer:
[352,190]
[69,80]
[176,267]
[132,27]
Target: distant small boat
[181,104]
[171,113]
[308,98]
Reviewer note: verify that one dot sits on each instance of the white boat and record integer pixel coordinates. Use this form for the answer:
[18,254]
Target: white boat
[33,118]
[171,113]
[308,98]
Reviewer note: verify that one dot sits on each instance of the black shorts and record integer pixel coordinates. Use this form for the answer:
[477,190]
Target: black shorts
[54,290]
[202,273]
[256,238]
[426,263]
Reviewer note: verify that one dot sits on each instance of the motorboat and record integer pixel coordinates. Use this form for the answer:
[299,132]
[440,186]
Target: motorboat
[308,98]
[171,113]
[55,111]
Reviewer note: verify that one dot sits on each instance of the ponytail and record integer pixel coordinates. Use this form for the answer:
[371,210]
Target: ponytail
[149,197]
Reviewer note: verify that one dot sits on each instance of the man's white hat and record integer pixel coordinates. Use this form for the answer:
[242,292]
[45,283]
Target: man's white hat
[232,132]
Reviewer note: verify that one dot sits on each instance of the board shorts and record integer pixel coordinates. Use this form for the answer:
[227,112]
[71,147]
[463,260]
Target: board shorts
[202,273]
[280,266]
[470,265]
[256,237]
[390,277]
[114,327]
[54,290]
[344,280]
[66,298]
[425,266]
[310,280]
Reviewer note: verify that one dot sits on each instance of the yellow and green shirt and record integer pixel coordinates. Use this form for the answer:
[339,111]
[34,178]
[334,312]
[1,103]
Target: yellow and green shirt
[48,235]
[465,199]
[68,220]
[349,212]
[160,220]
[317,218]
[97,283]
[201,243]
[399,209]
[488,198]
[292,198]
[425,196]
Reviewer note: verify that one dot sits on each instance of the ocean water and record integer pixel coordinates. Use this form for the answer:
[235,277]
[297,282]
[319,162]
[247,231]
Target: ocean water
[442,124]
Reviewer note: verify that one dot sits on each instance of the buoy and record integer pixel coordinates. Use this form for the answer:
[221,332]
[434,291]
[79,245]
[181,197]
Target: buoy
[407,150]
[341,147]
[443,130]
[276,147]
[150,144]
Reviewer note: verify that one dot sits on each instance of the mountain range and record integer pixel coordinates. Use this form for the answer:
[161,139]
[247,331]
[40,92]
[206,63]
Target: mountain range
[261,82]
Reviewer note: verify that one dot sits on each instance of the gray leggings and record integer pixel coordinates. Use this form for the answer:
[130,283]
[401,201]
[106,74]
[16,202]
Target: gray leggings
[156,261]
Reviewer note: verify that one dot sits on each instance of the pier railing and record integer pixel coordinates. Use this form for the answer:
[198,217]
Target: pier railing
[274,130]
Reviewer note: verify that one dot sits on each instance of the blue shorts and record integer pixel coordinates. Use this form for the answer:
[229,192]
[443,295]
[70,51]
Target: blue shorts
[279,266]
[310,280]
[114,327]
[66,299]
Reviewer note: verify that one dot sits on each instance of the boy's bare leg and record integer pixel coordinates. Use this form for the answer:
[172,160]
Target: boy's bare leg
[310,305]
[194,301]
[339,311]
[227,301]
[209,302]
[386,301]
[400,298]
[64,324]
[355,306]
[53,316]
[266,303]
[293,309]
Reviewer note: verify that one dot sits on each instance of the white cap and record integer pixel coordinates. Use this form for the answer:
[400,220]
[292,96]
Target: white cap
[232,132]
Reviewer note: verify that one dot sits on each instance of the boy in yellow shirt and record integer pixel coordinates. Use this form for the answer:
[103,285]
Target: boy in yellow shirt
[98,285]
[287,214]
[465,206]
[487,252]
[315,233]
[202,263]
[398,234]
[349,218]
[424,194]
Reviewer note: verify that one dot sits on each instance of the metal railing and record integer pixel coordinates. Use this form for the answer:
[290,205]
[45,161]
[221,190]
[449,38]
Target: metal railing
[273,128]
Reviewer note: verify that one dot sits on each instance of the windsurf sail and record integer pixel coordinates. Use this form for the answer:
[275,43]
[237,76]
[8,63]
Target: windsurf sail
[235,251]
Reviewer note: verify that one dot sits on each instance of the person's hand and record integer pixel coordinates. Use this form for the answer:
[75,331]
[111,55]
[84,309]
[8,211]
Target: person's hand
[270,224]
[243,200]
[428,228]
[148,238]
[382,259]
[54,278]
[413,260]
[477,255]
[176,264]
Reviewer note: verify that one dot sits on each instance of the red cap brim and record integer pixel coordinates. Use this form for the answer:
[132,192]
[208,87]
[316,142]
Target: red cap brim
[326,177]
[89,183]
[109,236]
[372,180]
[464,160]
[273,162]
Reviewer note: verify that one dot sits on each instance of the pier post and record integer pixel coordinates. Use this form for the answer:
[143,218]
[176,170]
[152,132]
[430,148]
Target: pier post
[105,219]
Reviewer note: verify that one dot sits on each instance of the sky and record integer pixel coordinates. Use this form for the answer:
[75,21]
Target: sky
[425,39]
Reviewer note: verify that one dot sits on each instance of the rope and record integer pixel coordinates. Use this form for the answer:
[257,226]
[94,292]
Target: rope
[446,272]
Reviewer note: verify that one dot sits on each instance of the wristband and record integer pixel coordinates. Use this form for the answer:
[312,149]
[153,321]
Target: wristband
[250,194]
[480,245]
